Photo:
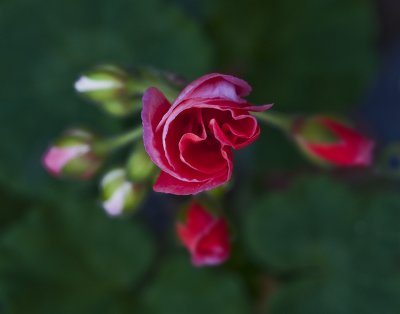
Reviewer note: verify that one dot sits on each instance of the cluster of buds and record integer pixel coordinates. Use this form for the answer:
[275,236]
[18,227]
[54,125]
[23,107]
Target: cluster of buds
[80,154]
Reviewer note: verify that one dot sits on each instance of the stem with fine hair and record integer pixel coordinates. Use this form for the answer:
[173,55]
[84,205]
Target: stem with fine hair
[119,141]
[277,120]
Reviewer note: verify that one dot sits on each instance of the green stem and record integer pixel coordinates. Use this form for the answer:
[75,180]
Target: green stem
[148,78]
[119,141]
[278,120]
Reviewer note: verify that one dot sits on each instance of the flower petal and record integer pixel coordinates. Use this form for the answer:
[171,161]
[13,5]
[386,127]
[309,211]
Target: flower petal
[198,220]
[213,248]
[189,122]
[155,105]
[169,184]
[237,131]
[194,151]
[216,85]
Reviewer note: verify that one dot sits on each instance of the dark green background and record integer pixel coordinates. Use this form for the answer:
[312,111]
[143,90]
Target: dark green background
[315,245]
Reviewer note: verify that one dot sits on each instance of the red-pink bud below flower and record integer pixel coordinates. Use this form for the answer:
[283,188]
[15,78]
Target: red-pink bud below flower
[72,155]
[206,237]
[329,141]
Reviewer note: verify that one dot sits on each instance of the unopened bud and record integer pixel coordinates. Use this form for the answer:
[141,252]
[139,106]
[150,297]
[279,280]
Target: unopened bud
[103,83]
[108,86]
[72,155]
[205,236]
[140,167]
[331,142]
[120,196]
[120,93]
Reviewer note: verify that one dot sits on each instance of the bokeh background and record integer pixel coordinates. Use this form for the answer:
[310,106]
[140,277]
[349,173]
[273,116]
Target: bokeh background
[305,240]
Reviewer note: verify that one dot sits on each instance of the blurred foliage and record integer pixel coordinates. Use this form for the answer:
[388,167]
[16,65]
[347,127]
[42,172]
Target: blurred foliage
[46,45]
[329,249]
[312,56]
[181,288]
[71,260]
[334,250]
[304,56]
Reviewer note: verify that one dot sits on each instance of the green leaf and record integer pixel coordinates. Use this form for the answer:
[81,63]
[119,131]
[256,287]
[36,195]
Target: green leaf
[302,56]
[334,250]
[311,297]
[181,288]
[300,227]
[72,260]
[342,294]
[63,40]
[311,56]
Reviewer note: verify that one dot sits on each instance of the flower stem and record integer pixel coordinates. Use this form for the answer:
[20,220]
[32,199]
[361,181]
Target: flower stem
[119,141]
[278,120]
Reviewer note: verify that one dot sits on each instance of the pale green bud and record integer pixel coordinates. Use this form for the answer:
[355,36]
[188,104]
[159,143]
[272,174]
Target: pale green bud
[139,166]
[119,195]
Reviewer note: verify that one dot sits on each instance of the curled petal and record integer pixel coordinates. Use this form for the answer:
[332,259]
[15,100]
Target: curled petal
[155,105]
[169,184]
[194,151]
[216,85]
[191,141]
[194,104]
[237,132]
[189,122]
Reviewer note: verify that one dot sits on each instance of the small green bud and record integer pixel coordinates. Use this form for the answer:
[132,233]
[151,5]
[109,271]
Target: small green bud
[120,196]
[102,83]
[139,166]
[107,86]
[120,93]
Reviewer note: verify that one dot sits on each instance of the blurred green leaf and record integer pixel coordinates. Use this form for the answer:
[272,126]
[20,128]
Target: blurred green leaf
[334,250]
[312,56]
[72,260]
[300,227]
[181,288]
[312,297]
[342,294]
[46,45]
[303,56]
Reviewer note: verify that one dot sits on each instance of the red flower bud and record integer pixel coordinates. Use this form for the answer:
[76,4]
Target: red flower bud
[205,236]
[329,141]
